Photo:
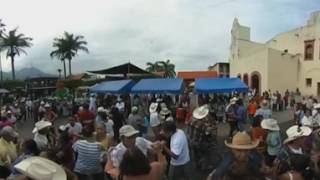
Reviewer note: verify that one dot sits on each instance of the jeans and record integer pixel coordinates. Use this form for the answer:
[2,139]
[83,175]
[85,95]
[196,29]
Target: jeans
[241,126]
[99,176]
[180,172]
[233,127]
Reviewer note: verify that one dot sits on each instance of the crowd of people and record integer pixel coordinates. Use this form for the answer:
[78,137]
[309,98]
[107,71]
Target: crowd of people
[155,138]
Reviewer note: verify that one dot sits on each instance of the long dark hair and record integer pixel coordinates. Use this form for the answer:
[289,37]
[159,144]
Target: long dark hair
[134,163]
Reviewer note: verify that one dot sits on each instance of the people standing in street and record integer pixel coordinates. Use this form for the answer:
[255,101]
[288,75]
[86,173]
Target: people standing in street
[231,110]
[180,166]
[273,140]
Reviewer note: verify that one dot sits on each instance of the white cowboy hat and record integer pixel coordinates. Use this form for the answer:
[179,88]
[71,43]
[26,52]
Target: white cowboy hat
[101,109]
[170,118]
[128,131]
[294,132]
[316,106]
[201,112]
[39,168]
[165,111]
[42,103]
[270,124]
[242,140]
[163,105]
[47,105]
[153,107]
[233,100]
[134,109]
[41,125]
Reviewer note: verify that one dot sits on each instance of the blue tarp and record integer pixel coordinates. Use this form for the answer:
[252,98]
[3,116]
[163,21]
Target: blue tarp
[113,87]
[219,85]
[158,86]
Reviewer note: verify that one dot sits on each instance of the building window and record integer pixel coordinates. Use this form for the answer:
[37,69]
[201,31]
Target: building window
[308,82]
[308,49]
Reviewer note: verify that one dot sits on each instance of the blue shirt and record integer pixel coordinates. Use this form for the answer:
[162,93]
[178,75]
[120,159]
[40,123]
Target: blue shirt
[228,159]
[274,143]
[88,157]
[241,114]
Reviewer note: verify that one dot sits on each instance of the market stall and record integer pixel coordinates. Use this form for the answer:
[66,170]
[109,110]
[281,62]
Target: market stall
[113,87]
[219,85]
[159,86]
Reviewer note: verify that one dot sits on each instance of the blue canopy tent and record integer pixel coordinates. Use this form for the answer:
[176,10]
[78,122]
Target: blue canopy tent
[158,86]
[219,85]
[113,87]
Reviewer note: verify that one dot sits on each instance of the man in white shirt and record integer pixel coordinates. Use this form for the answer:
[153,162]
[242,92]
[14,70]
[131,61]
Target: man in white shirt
[120,105]
[179,152]
[129,139]
[74,128]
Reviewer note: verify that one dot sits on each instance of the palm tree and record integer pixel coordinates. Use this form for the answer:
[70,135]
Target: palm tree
[2,29]
[153,67]
[162,66]
[168,68]
[14,44]
[67,47]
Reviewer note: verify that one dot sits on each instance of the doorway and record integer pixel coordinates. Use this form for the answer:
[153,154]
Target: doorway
[255,82]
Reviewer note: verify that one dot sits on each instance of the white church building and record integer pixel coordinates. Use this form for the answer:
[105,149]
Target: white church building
[290,60]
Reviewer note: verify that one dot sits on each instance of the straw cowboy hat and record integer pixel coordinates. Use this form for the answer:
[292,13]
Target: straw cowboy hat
[242,140]
[41,125]
[153,107]
[270,124]
[39,168]
[163,105]
[159,100]
[165,111]
[201,112]
[295,132]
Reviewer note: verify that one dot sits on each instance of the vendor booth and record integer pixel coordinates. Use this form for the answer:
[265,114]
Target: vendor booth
[159,86]
[113,87]
[219,85]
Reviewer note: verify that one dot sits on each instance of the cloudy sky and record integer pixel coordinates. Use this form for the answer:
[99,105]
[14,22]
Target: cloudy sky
[193,34]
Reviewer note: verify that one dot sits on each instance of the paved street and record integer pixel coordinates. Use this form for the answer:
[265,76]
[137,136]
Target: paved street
[284,118]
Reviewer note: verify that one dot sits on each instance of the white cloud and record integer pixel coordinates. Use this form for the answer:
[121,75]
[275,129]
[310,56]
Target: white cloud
[192,33]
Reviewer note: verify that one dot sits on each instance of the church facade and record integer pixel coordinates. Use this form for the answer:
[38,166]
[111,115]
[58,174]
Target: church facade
[288,61]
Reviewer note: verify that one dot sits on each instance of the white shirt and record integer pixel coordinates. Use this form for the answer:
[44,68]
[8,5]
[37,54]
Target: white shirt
[154,119]
[41,140]
[92,104]
[118,152]
[76,129]
[29,103]
[120,106]
[307,121]
[179,146]
[109,127]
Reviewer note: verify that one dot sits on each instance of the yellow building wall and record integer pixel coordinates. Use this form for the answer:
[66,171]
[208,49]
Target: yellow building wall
[282,71]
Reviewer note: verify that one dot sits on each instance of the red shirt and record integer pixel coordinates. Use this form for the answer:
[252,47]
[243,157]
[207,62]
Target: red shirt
[86,117]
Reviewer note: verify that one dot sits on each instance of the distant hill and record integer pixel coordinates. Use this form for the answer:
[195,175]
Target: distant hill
[24,73]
